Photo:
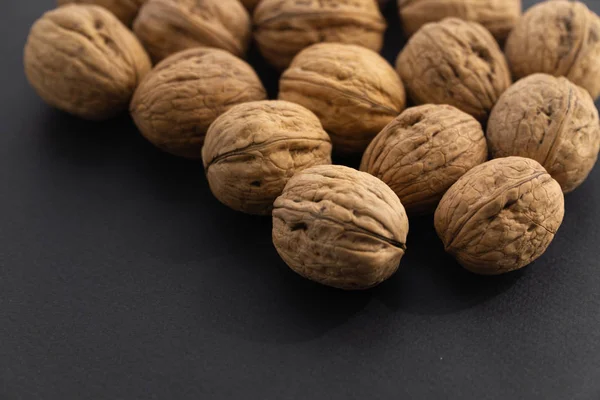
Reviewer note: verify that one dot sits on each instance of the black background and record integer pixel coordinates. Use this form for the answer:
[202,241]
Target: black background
[121,277]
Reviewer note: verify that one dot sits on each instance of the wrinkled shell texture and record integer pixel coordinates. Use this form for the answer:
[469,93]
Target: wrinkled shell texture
[81,59]
[252,150]
[125,10]
[353,90]
[550,120]
[423,152]
[176,103]
[168,26]
[285,27]
[340,227]
[454,62]
[498,16]
[559,38]
[500,216]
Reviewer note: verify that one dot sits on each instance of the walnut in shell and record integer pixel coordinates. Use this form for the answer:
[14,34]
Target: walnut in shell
[500,216]
[253,149]
[340,227]
[169,26]
[125,10]
[423,152]
[353,90]
[81,59]
[454,62]
[176,102]
[550,120]
[559,38]
[285,27]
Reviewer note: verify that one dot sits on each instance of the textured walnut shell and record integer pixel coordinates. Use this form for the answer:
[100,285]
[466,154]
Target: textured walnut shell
[498,16]
[500,216]
[125,10]
[176,102]
[253,149]
[353,90]
[340,227]
[169,26]
[550,120]
[559,38]
[423,152]
[285,27]
[454,62]
[81,59]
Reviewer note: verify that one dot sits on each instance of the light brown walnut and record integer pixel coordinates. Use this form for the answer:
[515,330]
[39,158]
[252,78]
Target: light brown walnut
[125,10]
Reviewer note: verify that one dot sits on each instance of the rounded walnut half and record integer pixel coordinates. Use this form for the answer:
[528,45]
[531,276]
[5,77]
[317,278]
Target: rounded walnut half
[125,10]
[500,216]
[353,90]
[176,102]
[253,149]
[423,152]
[81,59]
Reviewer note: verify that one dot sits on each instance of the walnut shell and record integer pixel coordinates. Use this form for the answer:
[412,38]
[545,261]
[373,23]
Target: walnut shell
[176,102]
[253,149]
[125,10]
[454,62]
[353,90]
[81,59]
[169,26]
[498,16]
[560,38]
[285,27]
[423,152]
[340,227]
[550,120]
[500,216]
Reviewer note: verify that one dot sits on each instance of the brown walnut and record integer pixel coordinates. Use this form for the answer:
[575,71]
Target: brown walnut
[550,120]
[423,152]
[560,38]
[125,10]
[353,90]
[340,227]
[81,59]
[169,26]
[179,99]
[454,62]
[252,150]
[285,27]
[500,216]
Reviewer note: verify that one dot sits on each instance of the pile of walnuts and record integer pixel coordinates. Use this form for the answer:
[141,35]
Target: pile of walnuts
[178,67]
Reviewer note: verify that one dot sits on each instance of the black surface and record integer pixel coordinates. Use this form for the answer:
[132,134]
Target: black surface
[122,278]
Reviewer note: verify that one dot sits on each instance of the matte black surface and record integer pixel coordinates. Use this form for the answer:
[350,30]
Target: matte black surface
[122,278]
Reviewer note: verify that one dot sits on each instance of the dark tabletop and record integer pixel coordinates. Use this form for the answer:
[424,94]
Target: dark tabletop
[121,277]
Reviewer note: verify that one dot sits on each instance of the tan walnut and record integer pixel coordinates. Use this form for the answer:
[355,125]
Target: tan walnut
[179,99]
[500,216]
[560,38]
[550,120]
[340,227]
[284,27]
[353,90]
[252,150]
[498,16]
[125,10]
[454,62]
[169,26]
[81,59]
[423,152]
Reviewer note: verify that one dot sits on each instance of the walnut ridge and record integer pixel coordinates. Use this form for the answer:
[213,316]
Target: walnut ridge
[125,10]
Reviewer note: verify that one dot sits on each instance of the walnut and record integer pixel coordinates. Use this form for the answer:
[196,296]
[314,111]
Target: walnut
[500,216]
[168,26]
[353,90]
[253,149]
[454,62]
[250,4]
[498,16]
[423,152]
[176,102]
[285,27]
[560,38]
[550,120]
[125,10]
[340,227]
[81,59]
